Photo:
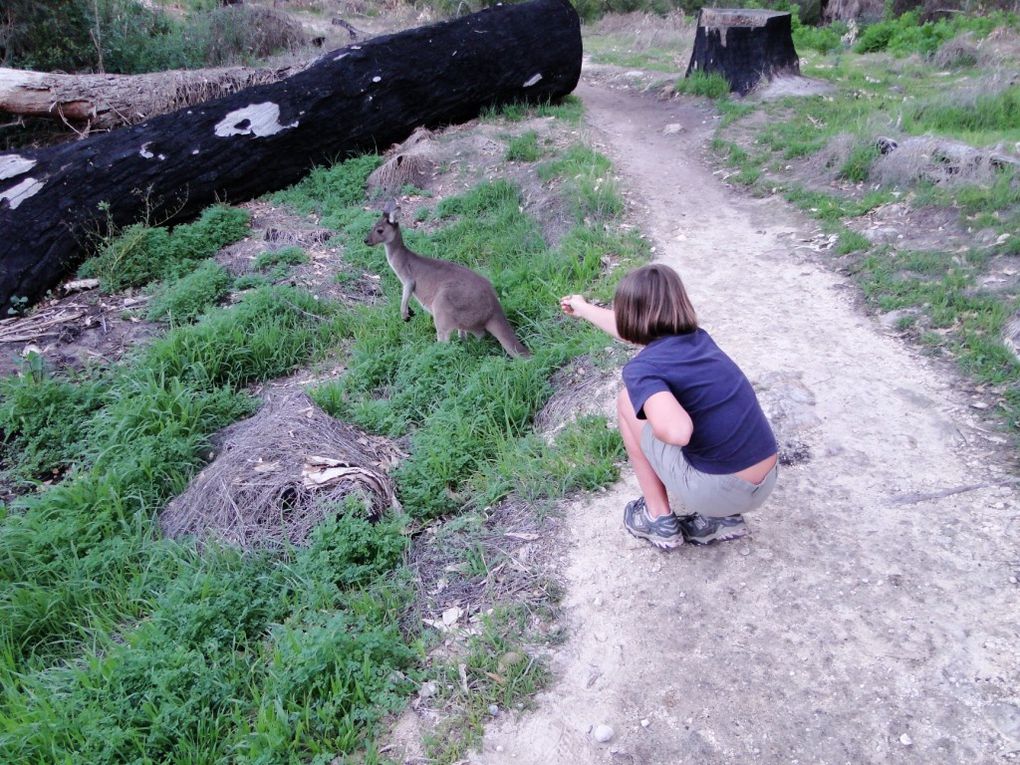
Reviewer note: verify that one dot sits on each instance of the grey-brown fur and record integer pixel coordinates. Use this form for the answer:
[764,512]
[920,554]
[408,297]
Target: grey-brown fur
[457,297]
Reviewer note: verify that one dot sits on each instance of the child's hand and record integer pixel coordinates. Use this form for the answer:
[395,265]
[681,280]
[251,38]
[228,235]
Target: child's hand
[571,304]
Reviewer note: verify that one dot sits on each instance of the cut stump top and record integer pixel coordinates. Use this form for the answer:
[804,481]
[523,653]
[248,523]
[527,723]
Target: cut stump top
[737,17]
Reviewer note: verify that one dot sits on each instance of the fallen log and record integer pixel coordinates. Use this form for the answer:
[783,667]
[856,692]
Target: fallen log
[360,98]
[99,102]
[744,45]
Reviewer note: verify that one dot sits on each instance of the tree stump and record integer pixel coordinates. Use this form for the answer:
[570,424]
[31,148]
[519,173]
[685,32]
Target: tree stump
[744,45]
[361,98]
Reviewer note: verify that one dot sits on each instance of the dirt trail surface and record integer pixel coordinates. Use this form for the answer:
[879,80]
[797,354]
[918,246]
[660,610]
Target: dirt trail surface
[873,615]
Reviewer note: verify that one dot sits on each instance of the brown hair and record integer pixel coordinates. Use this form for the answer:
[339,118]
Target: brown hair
[650,303]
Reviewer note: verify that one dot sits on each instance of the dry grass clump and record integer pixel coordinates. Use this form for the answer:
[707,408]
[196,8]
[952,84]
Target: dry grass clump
[412,162]
[582,388]
[645,31]
[961,51]
[933,160]
[251,31]
[278,474]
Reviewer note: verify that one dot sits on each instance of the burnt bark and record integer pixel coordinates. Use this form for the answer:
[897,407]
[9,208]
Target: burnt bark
[744,45]
[360,98]
[86,103]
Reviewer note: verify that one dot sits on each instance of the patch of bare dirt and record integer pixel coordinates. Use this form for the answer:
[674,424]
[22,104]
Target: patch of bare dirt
[75,331]
[918,228]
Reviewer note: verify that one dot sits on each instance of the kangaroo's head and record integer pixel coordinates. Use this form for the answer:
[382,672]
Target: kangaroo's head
[386,229]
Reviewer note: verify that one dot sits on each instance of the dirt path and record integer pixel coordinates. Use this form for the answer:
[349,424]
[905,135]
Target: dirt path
[872,618]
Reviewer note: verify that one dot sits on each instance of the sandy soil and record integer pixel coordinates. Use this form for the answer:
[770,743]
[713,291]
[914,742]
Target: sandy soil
[872,616]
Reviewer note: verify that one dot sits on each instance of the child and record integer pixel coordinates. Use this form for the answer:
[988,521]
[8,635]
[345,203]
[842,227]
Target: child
[689,418]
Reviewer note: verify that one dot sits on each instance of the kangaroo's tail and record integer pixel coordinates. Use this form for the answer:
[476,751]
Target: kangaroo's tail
[500,328]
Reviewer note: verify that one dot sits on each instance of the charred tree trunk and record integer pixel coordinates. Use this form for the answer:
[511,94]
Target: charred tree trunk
[744,45]
[360,98]
[94,102]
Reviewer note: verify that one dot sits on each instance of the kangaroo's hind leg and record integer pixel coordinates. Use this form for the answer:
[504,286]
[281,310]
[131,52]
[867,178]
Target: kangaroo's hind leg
[444,326]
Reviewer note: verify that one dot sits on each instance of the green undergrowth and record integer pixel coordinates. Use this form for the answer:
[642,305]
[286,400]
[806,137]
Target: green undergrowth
[141,254]
[184,299]
[707,84]
[470,393]
[907,34]
[821,151]
[119,645]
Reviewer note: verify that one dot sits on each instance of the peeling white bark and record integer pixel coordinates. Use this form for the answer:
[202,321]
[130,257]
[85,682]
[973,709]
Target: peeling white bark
[13,165]
[18,193]
[533,80]
[144,152]
[258,120]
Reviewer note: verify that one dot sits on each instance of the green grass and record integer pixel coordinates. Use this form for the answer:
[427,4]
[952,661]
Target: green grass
[569,108]
[470,393]
[590,185]
[119,645]
[604,51]
[982,120]
[710,85]
[523,148]
[183,300]
[942,286]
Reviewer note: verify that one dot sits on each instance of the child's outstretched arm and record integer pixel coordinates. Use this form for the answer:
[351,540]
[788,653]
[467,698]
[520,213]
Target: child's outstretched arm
[603,318]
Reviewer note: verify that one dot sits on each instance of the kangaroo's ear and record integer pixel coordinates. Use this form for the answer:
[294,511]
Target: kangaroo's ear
[390,210]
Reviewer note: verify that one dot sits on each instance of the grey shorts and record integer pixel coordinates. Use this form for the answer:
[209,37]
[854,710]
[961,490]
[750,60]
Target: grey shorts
[704,493]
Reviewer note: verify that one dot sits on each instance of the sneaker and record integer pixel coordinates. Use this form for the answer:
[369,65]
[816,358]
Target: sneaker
[663,531]
[700,530]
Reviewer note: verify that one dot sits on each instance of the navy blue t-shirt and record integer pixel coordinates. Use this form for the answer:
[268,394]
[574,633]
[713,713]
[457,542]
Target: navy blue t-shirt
[730,430]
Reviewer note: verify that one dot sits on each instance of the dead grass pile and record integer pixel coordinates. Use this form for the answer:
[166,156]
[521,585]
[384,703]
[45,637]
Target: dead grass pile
[278,474]
[640,32]
[934,160]
[184,88]
[247,31]
[412,162]
[581,388]
[960,51]
[648,30]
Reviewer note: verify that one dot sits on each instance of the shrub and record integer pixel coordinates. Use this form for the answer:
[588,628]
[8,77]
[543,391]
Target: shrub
[129,37]
[141,254]
[822,39]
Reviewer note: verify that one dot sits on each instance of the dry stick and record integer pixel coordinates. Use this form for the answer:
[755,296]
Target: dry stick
[912,499]
[36,329]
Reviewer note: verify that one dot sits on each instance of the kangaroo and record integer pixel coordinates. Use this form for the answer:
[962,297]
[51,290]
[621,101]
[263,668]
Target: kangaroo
[457,297]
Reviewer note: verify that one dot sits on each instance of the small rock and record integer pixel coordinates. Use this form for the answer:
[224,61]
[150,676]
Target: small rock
[645,723]
[603,733]
[427,690]
[672,128]
[905,740]
[493,710]
[499,747]
[745,550]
